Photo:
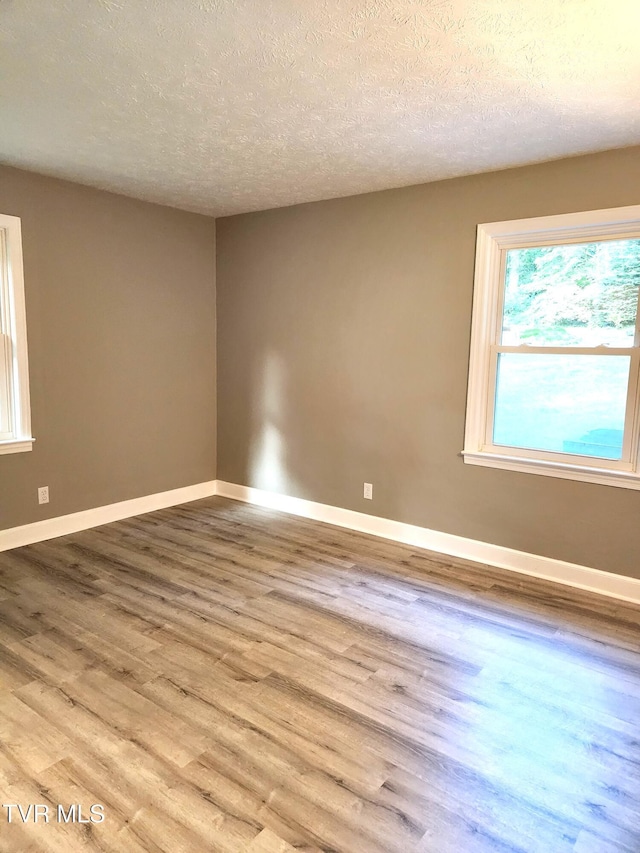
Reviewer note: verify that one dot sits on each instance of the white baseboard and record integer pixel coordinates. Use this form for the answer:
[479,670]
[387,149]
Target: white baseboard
[569,574]
[49,528]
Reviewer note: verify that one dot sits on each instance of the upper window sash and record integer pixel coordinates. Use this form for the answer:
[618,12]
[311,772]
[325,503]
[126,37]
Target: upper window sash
[493,242]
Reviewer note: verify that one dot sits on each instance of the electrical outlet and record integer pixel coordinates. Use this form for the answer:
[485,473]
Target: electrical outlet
[368,491]
[43,495]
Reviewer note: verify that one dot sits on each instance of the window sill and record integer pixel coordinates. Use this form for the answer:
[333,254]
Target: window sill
[581,473]
[16,445]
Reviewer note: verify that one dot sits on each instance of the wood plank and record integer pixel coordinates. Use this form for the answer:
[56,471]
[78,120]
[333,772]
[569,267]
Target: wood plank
[227,678]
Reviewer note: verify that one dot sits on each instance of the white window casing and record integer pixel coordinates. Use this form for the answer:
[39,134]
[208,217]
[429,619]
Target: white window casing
[493,242]
[15,410]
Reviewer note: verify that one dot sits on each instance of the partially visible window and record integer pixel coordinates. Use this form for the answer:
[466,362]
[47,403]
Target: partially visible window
[15,414]
[555,356]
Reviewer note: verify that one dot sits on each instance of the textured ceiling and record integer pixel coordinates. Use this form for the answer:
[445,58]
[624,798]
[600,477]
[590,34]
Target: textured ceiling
[223,106]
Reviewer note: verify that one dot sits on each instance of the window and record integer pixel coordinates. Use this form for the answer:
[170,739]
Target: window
[555,347]
[15,415]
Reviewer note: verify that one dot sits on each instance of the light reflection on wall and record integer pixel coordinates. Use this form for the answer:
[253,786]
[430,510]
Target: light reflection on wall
[268,468]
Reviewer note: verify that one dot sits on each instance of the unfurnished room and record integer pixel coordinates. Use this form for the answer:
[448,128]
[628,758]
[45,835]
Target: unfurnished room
[319,426]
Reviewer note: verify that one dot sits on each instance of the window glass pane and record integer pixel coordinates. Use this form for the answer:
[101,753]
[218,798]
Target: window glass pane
[563,403]
[584,294]
[5,411]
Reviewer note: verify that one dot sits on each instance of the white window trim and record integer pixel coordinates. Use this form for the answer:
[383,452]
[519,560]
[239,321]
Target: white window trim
[14,363]
[493,239]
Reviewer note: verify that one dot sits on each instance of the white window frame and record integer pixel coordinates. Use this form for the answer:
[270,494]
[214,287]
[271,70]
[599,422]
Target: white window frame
[15,428]
[494,239]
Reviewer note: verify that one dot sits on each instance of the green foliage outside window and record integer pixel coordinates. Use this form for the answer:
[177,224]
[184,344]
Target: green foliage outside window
[585,293]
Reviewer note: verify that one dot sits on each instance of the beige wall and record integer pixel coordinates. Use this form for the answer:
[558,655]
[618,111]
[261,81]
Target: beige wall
[121,324]
[343,341]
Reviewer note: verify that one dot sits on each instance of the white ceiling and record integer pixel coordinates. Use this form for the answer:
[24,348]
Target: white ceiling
[224,106]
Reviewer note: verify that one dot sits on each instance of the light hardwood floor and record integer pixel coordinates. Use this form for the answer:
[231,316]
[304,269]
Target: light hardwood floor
[225,678]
